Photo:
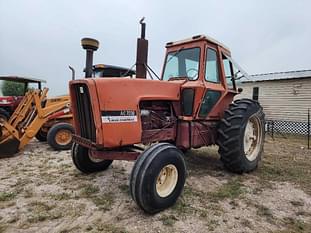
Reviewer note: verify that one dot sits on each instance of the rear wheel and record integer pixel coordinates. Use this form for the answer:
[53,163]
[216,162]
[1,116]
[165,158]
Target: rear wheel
[4,115]
[59,136]
[158,177]
[84,162]
[241,136]
[41,136]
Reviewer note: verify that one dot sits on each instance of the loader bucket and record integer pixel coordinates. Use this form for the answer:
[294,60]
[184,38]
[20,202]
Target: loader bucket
[9,147]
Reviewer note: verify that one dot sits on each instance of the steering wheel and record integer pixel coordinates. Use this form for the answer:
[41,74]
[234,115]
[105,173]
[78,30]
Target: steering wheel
[192,73]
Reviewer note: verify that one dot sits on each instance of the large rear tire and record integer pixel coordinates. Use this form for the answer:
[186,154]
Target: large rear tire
[59,136]
[84,162]
[158,177]
[241,136]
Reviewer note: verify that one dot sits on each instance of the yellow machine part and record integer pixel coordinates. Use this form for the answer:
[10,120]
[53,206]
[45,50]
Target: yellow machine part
[31,114]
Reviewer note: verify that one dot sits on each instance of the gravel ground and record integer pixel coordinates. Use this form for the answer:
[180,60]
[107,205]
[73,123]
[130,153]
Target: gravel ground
[42,191]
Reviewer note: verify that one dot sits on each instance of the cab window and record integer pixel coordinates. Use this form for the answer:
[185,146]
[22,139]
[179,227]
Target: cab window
[211,69]
[182,63]
[228,68]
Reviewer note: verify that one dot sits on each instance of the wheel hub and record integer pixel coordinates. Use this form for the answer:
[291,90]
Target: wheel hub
[252,138]
[63,137]
[167,180]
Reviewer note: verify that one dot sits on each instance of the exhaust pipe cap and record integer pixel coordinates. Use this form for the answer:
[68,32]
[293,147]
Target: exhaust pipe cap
[90,44]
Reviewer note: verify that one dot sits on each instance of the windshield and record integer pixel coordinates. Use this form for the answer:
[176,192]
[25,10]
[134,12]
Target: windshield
[182,63]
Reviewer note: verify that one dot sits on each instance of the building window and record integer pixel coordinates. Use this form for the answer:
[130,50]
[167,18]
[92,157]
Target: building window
[255,93]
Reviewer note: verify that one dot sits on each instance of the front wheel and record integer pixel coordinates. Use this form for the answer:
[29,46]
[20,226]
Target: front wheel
[84,162]
[158,177]
[241,136]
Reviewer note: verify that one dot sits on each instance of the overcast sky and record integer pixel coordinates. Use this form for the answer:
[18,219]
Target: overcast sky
[41,38]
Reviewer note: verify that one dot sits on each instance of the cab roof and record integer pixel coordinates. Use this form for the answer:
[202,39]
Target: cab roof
[105,66]
[22,79]
[197,38]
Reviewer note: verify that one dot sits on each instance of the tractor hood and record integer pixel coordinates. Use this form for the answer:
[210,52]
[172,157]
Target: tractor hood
[114,103]
[127,93]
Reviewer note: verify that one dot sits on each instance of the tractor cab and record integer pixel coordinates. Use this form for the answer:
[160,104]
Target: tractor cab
[13,89]
[209,72]
[201,58]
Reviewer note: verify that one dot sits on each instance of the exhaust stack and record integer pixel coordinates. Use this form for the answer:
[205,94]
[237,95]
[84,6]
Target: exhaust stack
[90,45]
[142,52]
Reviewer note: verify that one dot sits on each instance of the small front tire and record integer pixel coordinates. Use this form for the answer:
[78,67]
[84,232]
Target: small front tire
[158,177]
[84,162]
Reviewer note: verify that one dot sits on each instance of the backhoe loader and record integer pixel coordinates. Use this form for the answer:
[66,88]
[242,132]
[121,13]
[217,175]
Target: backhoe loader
[32,113]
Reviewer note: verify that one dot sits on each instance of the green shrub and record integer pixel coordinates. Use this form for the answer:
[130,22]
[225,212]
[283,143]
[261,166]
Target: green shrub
[10,88]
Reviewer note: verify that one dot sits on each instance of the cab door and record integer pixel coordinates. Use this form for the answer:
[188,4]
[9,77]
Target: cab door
[213,82]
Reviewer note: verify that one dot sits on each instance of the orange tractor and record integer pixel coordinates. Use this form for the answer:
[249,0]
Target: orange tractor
[190,106]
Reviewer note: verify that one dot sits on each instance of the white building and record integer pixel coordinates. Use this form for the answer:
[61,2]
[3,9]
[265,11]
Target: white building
[285,96]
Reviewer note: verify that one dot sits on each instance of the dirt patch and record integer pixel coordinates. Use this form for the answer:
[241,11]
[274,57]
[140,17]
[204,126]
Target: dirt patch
[42,191]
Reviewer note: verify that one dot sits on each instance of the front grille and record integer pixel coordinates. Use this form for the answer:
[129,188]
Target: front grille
[84,112]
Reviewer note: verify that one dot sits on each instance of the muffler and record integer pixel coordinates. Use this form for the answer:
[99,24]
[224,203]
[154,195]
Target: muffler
[142,52]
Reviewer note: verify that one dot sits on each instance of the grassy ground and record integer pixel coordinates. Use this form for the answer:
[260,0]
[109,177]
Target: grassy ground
[287,159]
[41,191]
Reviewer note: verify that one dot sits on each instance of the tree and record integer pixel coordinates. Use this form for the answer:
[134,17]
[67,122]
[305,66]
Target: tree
[10,88]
